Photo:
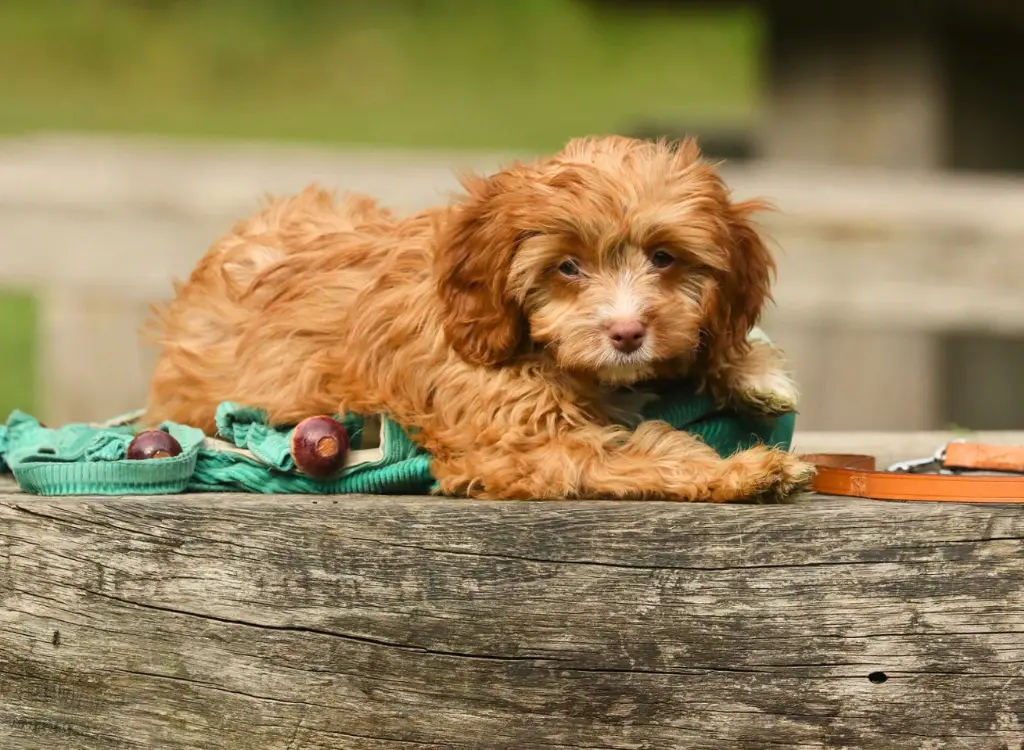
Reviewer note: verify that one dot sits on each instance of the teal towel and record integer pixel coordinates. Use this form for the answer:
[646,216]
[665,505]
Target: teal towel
[248,455]
[83,459]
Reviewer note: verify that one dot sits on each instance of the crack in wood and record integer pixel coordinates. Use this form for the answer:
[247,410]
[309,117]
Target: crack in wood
[625,566]
[220,688]
[319,631]
[89,520]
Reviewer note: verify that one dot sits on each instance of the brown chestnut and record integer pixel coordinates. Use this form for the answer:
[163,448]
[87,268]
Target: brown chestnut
[153,444]
[319,446]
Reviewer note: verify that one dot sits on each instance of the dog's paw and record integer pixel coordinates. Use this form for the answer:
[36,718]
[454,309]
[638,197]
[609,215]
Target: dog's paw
[762,474]
[793,478]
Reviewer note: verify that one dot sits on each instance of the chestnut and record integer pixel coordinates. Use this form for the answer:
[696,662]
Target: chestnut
[319,446]
[153,444]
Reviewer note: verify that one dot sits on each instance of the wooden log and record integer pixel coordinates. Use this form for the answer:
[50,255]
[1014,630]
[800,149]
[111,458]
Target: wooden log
[288,623]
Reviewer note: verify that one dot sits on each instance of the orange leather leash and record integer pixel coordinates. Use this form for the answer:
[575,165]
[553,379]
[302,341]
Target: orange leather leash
[957,479]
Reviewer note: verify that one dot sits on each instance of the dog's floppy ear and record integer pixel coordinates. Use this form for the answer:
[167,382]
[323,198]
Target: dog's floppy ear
[745,288]
[471,265]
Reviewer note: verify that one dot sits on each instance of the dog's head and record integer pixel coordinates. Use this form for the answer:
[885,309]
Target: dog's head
[616,255]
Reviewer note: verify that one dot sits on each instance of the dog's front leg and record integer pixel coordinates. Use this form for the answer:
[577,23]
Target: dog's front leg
[756,379]
[653,462]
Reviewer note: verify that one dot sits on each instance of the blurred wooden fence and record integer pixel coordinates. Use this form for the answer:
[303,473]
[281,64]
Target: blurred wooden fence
[900,295]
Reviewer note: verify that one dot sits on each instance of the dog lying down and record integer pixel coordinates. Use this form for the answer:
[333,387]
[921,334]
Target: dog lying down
[503,327]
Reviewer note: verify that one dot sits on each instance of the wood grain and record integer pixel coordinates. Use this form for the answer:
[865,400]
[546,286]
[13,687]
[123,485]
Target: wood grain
[293,623]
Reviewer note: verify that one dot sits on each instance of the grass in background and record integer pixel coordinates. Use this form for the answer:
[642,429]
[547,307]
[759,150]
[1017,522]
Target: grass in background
[522,74]
[17,352]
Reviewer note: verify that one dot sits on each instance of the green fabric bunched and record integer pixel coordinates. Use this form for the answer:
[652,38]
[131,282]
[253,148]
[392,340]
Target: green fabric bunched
[248,455]
[83,459]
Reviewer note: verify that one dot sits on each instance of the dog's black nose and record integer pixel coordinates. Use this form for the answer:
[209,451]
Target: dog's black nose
[627,335]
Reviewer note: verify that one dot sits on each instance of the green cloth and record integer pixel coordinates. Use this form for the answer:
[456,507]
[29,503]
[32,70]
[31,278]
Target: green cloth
[248,455]
[82,459]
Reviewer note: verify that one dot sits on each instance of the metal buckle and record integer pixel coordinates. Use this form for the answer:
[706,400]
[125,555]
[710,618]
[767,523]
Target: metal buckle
[933,464]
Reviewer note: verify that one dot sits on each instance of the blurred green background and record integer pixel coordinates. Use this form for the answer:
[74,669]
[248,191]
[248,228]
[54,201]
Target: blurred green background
[421,73]
[452,74]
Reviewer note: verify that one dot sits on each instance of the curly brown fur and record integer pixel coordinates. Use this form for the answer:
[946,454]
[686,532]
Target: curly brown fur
[499,325]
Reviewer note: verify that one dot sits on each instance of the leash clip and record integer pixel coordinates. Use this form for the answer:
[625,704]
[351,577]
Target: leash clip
[934,464]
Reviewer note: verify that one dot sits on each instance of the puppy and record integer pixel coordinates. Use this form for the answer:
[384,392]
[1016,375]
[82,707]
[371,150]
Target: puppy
[498,328]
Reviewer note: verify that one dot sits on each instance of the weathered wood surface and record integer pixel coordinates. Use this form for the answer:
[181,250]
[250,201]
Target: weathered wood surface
[298,623]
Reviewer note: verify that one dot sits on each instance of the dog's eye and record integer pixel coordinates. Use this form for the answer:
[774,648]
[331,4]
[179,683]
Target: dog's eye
[662,259]
[569,268]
